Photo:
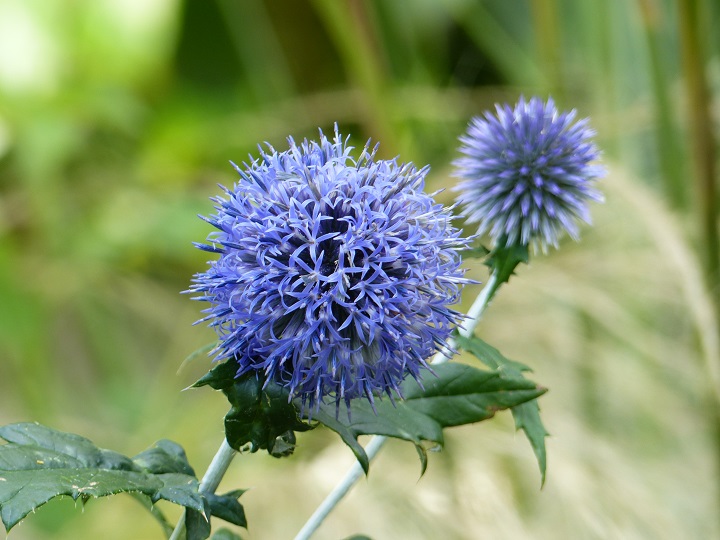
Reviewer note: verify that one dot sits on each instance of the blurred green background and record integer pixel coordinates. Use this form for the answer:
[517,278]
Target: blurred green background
[117,120]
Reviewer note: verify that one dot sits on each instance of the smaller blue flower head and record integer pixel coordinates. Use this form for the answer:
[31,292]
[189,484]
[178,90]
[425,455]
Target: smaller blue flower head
[335,274]
[528,174]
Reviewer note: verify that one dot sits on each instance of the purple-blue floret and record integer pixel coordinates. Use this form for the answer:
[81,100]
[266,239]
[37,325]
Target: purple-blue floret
[528,174]
[335,274]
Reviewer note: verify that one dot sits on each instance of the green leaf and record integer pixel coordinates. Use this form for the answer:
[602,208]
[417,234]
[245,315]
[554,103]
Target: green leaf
[227,507]
[263,417]
[220,377]
[197,524]
[53,449]
[526,415]
[260,416]
[527,418]
[458,394]
[38,463]
[284,445]
[490,356]
[504,260]
[165,457]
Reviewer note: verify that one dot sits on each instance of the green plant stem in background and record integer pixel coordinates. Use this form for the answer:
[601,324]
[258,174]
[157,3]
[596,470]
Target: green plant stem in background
[210,482]
[340,490]
[669,150]
[547,38]
[703,152]
[702,137]
[376,443]
[350,27]
[497,43]
[249,22]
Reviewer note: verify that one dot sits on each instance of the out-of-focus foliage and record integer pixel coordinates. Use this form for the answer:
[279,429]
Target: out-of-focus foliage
[118,118]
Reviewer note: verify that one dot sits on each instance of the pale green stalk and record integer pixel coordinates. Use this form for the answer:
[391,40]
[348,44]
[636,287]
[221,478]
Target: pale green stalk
[209,483]
[376,443]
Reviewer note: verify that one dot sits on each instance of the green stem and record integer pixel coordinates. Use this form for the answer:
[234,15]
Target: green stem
[210,482]
[702,136]
[341,489]
[376,443]
[499,45]
[547,39]
[349,25]
[703,145]
[669,150]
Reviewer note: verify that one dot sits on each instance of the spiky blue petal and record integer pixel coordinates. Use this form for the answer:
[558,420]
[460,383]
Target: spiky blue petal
[528,174]
[335,274]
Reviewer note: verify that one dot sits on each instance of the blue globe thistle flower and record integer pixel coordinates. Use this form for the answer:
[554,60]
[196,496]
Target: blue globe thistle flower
[335,274]
[527,174]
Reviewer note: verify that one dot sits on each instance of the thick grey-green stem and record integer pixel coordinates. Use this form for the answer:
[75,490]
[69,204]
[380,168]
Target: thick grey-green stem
[210,482]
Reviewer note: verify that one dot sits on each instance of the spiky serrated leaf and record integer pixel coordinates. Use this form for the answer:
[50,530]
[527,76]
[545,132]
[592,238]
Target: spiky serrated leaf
[164,457]
[261,416]
[526,415]
[227,507]
[197,524]
[527,418]
[284,445]
[221,376]
[458,394]
[38,464]
[490,356]
[504,259]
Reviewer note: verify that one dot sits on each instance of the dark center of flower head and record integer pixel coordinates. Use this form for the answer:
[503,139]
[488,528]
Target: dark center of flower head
[335,275]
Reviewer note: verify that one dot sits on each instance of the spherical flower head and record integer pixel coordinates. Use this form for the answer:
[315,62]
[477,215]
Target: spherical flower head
[335,274]
[528,174]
